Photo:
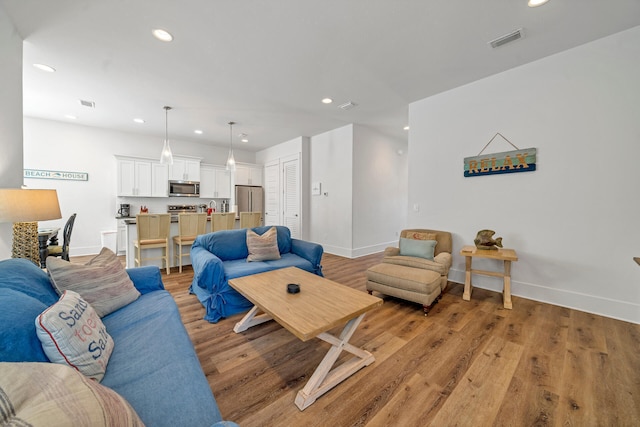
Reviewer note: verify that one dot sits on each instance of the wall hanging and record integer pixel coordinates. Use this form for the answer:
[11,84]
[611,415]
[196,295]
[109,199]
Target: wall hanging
[504,162]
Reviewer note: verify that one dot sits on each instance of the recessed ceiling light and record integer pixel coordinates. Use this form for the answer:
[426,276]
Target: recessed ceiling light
[45,67]
[162,35]
[536,3]
[244,140]
[70,116]
[406,128]
[198,131]
[327,100]
[138,120]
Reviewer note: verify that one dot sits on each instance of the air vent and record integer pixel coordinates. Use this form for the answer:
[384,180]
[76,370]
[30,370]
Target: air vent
[507,38]
[89,104]
[347,105]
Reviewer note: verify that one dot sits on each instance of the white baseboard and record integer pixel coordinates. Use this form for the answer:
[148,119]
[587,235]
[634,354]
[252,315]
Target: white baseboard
[358,252]
[615,309]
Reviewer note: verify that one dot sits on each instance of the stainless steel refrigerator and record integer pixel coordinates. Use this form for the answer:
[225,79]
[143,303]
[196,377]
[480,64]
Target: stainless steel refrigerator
[250,199]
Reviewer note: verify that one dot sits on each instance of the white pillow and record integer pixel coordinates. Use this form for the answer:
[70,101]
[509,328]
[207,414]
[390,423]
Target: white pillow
[71,333]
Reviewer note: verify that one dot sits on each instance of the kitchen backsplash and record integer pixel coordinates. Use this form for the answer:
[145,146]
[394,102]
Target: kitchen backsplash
[159,204]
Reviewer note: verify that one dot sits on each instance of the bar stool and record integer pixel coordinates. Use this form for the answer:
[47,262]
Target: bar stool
[250,219]
[153,232]
[223,221]
[189,226]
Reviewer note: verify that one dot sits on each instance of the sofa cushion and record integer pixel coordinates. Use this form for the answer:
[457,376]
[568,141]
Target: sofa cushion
[417,248]
[25,277]
[103,282]
[232,244]
[262,247]
[71,333]
[47,394]
[154,365]
[19,341]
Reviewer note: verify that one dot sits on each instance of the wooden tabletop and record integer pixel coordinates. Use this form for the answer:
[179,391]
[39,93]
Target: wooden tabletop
[500,253]
[320,305]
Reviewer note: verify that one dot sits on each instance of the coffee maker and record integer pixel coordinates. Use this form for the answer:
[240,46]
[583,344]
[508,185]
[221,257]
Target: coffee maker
[125,210]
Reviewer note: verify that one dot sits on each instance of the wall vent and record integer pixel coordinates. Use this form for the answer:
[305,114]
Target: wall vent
[347,105]
[507,38]
[89,104]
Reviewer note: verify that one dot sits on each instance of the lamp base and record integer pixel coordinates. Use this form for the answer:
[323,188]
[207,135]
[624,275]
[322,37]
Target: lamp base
[25,242]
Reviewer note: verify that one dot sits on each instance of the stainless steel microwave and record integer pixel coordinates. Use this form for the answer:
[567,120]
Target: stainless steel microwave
[184,189]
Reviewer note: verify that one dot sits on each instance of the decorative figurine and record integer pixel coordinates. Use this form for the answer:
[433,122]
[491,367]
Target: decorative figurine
[484,240]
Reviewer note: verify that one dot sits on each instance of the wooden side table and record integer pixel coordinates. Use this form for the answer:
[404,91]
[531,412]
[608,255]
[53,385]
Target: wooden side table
[505,255]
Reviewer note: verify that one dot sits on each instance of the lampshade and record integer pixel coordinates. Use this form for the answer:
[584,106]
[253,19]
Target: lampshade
[166,156]
[21,205]
[24,208]
[231,161]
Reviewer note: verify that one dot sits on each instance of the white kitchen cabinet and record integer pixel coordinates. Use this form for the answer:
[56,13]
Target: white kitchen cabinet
[248,175]
[185,169]
[159,180]
[207,182]
[134,177]
[223,183]
[121,243]
[215,182]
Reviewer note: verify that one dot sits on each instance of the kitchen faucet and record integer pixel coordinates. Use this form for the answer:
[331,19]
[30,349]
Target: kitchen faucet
[215,205]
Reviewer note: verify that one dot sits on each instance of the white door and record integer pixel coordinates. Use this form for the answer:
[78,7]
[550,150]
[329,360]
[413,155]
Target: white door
[272,194]
[291,196]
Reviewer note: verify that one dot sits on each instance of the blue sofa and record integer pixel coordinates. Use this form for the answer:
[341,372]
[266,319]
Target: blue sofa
[153,365]
[222,255]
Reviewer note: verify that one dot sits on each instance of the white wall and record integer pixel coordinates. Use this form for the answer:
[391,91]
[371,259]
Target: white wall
[380,173]
[53,145]
[364,190]
[10,117]
[332,212]
[574,221]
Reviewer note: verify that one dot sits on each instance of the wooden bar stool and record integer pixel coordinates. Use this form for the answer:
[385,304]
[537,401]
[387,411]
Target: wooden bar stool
[250,219]
[153,232]
[223,221]
[189,226]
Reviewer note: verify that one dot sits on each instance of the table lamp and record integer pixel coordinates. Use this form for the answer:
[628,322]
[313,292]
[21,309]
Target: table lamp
[24,208]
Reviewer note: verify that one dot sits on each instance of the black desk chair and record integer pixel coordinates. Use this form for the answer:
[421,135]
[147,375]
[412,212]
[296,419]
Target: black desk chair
[63,251]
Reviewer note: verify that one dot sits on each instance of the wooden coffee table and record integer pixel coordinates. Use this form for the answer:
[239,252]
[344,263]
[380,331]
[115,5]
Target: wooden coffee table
[320,305]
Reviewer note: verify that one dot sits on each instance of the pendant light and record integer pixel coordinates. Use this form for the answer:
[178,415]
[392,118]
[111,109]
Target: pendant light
[166,157]
[231,161]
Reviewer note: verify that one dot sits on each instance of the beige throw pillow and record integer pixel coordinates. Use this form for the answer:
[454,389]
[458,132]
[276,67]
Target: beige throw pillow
[103,282]
[71,333]
[263,248]
[47,394]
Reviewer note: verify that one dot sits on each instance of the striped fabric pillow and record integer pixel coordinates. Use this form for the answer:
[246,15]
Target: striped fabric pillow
[263,248]
[103,282]
[47,394]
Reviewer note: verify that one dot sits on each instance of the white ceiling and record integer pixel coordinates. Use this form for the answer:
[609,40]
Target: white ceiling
[267,64]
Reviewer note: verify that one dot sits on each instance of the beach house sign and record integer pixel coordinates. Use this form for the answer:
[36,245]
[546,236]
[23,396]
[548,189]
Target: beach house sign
[497,163]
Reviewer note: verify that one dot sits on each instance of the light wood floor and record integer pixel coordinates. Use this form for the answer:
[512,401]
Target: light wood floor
[466,364]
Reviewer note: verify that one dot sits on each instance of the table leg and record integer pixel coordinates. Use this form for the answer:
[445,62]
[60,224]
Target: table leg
[324,378]
[506,293]
[252,318]
[466,295]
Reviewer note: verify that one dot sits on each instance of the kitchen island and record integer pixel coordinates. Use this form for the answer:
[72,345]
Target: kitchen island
[131,234]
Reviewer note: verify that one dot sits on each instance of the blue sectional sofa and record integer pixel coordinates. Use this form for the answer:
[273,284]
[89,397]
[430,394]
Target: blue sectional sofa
[222,255]
[153,365]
